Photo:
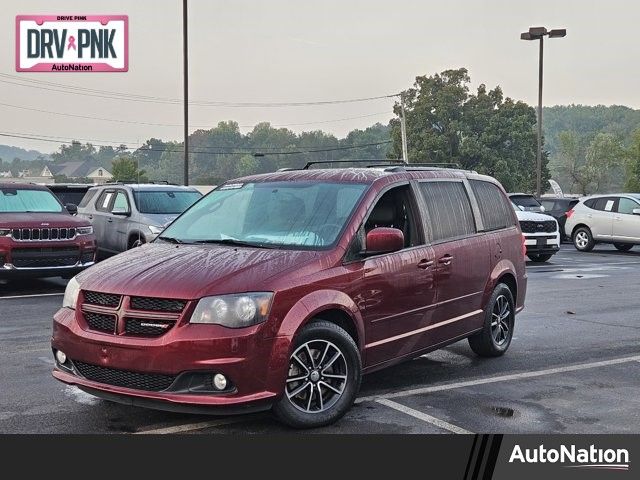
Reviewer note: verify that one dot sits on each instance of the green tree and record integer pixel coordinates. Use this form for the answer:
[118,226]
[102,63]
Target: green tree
[482,131]
[125,168]
[632,183]
[75,152]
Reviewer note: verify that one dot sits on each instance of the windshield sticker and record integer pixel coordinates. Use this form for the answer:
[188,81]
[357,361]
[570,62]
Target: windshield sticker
[232,186]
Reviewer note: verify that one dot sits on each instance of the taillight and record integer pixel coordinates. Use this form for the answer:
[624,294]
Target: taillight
[524,246]
[569,213]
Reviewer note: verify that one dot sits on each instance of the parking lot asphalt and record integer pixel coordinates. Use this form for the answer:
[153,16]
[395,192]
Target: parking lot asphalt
[573,367]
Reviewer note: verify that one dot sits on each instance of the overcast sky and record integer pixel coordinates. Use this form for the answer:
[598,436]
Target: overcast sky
[298,51]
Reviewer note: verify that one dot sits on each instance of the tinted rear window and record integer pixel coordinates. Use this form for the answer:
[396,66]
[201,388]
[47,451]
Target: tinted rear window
[527,201]
[450,214]
[70,196]
[495,210]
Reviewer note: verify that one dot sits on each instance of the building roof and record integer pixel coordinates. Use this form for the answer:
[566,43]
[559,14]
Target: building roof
[74,169]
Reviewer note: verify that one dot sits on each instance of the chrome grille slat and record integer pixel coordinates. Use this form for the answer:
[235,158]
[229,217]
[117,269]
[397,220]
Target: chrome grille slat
[43,234]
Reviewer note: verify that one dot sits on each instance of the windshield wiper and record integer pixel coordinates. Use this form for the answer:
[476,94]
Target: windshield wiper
[238,243]
[171,240]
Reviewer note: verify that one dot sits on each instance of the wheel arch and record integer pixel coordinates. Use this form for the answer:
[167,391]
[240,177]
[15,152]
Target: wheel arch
[579,225]
[504,272]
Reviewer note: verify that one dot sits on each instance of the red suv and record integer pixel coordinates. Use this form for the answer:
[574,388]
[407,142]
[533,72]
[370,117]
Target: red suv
[280,290]
[38,236]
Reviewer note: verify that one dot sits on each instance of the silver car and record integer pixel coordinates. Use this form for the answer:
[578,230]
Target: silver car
[613,218]
[128,215]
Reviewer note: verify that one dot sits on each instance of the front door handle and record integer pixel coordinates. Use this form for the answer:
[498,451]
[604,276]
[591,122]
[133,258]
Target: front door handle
[446,260]
[110,220]
[424,264]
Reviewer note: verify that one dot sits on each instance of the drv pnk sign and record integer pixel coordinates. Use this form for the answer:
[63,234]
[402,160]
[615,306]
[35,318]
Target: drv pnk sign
[72,43]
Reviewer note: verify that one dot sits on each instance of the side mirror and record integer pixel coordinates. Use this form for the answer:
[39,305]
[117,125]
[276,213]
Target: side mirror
[72,208]
[121,213]
[636,211]
[384,240]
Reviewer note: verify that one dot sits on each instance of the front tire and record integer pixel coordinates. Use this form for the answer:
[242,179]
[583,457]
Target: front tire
[499,319]
[540,258]
[583,240]
[324,377]
[623,247]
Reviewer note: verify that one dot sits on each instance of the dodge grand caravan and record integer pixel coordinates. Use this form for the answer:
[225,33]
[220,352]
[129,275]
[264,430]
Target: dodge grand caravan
[280,290]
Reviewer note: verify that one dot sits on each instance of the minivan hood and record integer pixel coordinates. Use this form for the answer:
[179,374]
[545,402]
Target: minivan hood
[189,271]
[35,220]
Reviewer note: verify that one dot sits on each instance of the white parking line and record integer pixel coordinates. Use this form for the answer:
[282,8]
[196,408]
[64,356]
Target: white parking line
[190,427]
[422,416]
[32,296]
[502,378]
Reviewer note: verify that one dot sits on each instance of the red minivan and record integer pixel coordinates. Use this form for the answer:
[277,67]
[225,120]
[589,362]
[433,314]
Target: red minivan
[280,290]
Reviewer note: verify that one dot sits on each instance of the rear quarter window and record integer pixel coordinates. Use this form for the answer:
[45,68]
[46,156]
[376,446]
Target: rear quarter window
[496,212]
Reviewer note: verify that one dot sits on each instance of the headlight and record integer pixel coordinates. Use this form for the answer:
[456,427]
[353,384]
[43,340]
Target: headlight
[5,232]
[84,230]
[71,294]
[234,311]
[156,230]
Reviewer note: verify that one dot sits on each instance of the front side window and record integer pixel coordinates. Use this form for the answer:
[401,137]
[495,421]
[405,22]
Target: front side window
[17,200]
[167,202]
[627,206]
[394,209]
[121,203]
[450,214]
[269,214]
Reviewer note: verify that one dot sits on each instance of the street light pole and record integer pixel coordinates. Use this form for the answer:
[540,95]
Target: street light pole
[539,154]
[538,33]
[185,57]
[403,131]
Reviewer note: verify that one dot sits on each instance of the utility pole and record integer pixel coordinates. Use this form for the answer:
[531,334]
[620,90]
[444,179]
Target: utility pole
[185,58]
[403,131]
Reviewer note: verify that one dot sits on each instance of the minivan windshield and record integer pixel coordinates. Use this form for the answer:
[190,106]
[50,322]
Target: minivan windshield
[271,214]
[24,200]
[164,201]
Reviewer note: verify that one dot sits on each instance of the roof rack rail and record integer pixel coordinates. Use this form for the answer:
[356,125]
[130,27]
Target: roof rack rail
[135,182]
[389,162]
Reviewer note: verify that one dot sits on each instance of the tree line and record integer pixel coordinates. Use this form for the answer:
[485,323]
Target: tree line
[587,149]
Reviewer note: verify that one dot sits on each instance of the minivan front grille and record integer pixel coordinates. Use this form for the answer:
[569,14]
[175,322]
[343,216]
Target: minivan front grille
[43,234]
[100,322]
[146,327]
[545,226]
[102,299]
[150,382]
[157,304]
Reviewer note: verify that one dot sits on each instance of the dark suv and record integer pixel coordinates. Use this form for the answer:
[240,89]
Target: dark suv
[39,237]
[280,290]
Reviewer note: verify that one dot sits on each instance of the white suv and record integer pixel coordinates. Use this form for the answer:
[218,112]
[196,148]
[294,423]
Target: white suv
[611,218]
[541,234]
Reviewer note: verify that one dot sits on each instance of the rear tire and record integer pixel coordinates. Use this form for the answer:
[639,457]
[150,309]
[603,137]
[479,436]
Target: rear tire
[583,240]
[323,379]
[623,247]
[540,258]
[499,319]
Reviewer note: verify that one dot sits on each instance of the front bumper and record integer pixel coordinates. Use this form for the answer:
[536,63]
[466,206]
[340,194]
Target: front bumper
[542,244]
[255,366]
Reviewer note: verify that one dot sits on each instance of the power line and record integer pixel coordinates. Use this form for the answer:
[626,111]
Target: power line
[256,152]
[131,122]
[75,90]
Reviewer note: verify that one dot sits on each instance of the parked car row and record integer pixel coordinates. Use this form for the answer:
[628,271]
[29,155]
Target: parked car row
[45,235]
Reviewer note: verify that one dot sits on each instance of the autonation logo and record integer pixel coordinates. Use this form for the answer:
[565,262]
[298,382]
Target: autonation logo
[573,457]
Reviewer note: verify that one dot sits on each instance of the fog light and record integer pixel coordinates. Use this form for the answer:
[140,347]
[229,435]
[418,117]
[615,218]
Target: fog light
[61,357]
[219,381]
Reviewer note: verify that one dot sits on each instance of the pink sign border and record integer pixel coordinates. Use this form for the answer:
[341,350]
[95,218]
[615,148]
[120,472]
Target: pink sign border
[97,67]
